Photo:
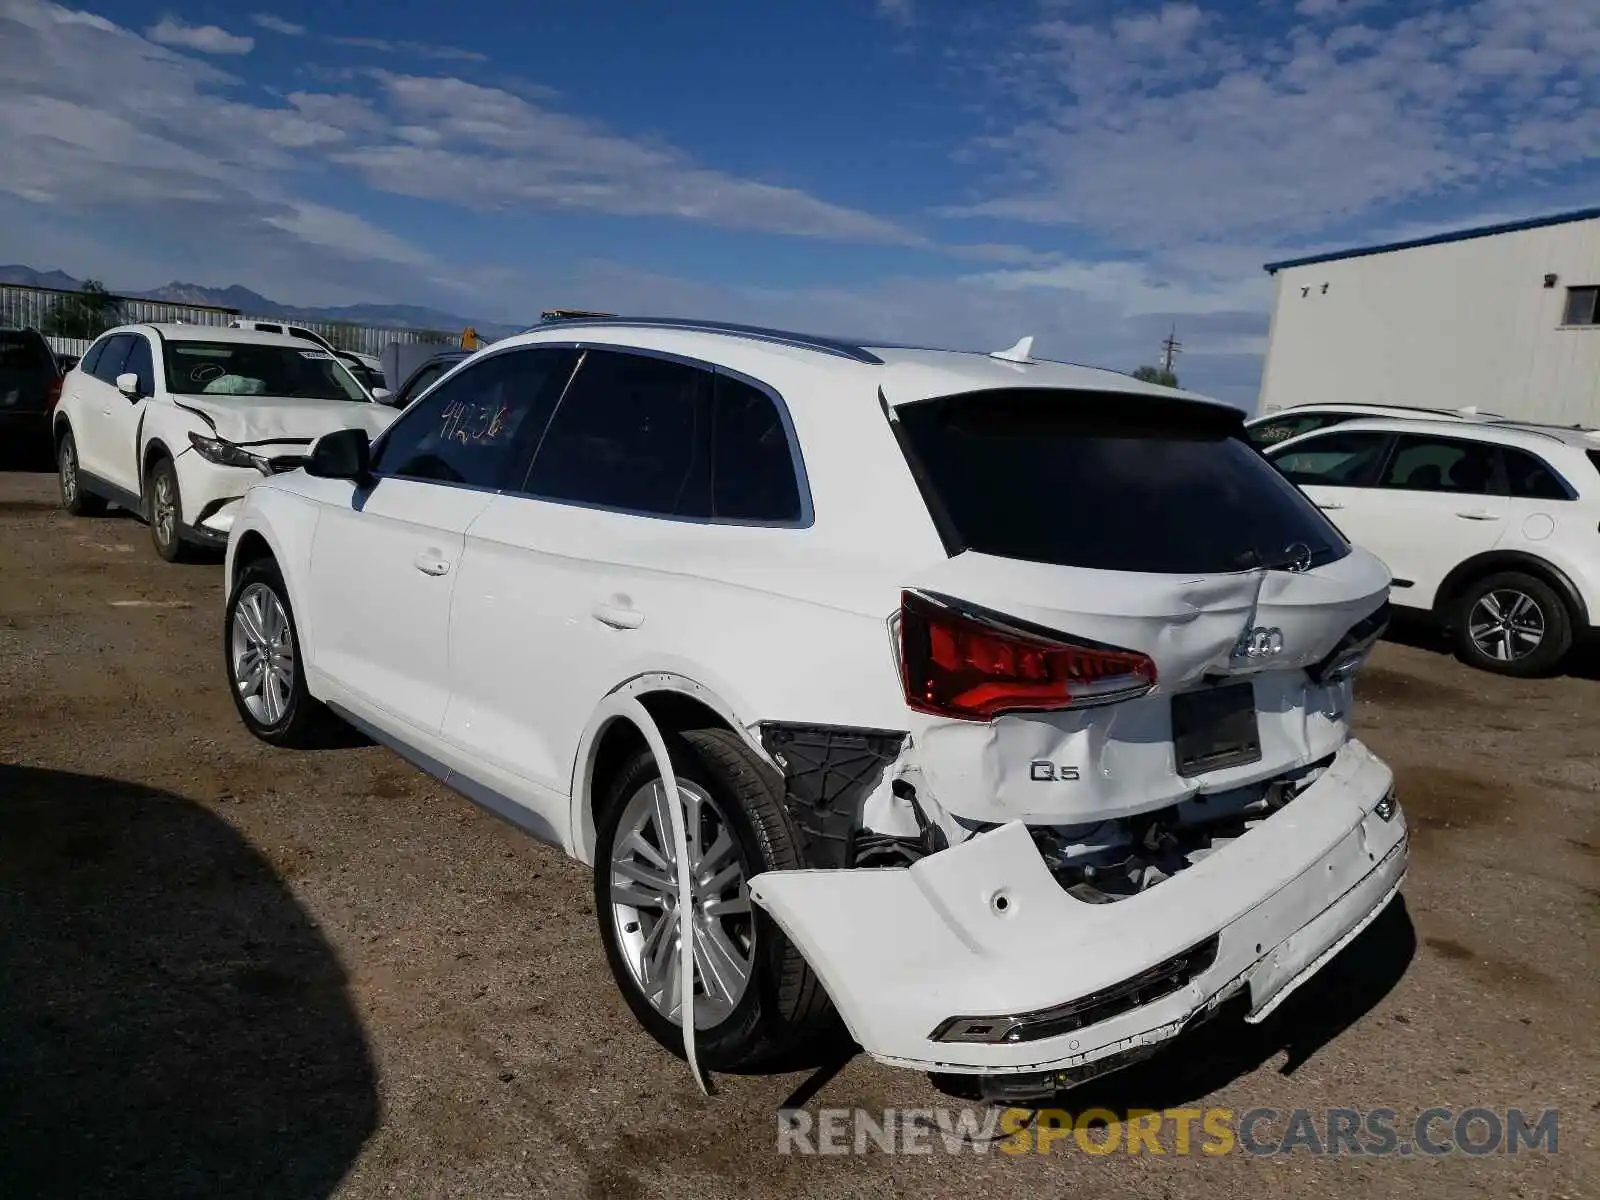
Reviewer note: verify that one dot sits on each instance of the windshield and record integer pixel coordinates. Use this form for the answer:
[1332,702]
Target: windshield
[252,369]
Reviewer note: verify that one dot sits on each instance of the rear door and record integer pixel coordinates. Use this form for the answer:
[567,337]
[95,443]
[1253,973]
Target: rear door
[572,579]
[386,561]
[1145,532]
[1441,500]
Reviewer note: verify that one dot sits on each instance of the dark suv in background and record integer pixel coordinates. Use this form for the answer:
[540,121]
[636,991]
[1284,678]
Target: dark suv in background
[30,385]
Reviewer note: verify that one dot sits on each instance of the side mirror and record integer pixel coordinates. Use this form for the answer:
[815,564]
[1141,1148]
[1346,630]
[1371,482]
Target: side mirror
[128,385]
[343,454]
[381,394]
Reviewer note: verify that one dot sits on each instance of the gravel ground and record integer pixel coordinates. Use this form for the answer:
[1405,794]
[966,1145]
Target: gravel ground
[227,970]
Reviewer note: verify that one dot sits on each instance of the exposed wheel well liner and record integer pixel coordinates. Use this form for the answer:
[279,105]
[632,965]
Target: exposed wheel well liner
[673,712]
[1475,568]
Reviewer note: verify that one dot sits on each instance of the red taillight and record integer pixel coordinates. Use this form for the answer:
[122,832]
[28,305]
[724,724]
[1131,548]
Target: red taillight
[958,663]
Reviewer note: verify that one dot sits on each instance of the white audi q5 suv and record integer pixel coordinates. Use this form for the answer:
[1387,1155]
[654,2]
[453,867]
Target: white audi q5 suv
[996,706]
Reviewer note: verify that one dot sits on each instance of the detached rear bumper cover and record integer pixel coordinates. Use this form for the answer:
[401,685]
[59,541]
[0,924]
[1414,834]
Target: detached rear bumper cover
[983,929]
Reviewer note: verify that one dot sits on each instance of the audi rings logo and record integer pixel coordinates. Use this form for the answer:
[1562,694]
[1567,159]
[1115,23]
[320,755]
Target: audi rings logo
[1259,643]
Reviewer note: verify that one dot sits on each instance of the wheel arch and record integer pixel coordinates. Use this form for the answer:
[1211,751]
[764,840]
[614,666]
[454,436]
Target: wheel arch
[1492,562]
[675,703]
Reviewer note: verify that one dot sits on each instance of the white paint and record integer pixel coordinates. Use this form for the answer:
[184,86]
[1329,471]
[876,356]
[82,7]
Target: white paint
[1441,326]
[549,621]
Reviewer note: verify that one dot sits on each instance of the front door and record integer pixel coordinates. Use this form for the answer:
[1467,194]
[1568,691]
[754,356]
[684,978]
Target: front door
[387,560]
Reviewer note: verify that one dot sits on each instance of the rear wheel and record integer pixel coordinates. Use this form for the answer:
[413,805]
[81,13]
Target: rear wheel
[73,498]
[757,1003]
[1512,624]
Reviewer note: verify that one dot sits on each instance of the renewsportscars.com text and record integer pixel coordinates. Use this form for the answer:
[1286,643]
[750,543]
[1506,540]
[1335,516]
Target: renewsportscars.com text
[1262,1132]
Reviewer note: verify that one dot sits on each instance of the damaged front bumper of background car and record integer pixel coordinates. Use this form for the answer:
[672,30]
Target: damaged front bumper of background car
[996,957]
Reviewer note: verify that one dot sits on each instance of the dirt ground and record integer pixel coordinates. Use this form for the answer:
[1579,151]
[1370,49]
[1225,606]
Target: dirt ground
[227,970]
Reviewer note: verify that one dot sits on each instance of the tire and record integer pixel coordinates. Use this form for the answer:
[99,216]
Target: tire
[73,498]
[165,504]
[1482,638]
[292,718]
[783,1017]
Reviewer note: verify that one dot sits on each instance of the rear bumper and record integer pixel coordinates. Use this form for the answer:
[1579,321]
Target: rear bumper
[983,930]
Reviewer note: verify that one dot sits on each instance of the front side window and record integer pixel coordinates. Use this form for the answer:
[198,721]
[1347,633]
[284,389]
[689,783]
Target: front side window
[140,363]
[631,433]
[257,369]
[90,360]
[477,426]
[1348,459]
[422,381]
[1426,464]
[109,364]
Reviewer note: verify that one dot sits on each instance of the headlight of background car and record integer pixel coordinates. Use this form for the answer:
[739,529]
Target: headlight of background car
[227,454]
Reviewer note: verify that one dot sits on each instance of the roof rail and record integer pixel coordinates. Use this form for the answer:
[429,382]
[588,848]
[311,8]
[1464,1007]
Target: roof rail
[781,337]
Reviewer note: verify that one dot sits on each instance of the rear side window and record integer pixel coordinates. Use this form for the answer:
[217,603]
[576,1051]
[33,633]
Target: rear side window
[1281,429]
[1530,478]
[631,433]
[1427,464]
[1107,481]
[752,469]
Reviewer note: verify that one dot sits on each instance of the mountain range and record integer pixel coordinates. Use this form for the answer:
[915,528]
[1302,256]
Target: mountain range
[253,304]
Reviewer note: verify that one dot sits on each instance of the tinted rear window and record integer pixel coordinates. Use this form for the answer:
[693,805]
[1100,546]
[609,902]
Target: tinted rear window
[1107,481]
[25,354]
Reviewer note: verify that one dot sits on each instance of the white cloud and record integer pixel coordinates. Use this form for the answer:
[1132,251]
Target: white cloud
[207,39]
[1177,124]
[275,24]
[418,49]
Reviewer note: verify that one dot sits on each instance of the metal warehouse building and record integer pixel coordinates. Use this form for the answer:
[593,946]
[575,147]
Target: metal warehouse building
[1503,317]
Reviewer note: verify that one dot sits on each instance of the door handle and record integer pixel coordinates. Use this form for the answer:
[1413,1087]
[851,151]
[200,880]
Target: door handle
[1477,514]
[431,562]
[617,616]
[1328,505]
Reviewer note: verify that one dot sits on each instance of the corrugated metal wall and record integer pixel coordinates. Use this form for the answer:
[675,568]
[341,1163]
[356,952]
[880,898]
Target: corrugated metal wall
[27,307]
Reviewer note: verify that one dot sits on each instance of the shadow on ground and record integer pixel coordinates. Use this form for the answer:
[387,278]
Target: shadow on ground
[1416,631]
[1211,1056]
[171,1021]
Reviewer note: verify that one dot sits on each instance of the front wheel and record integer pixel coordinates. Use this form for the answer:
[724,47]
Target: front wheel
[166,511]
[756,1001]
[1512,624]
[265,672]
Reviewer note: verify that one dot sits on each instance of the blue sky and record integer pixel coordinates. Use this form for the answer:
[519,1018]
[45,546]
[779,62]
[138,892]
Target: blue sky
[1088,173]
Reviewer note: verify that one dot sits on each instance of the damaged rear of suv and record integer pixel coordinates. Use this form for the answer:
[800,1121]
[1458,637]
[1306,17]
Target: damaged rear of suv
[995,706]
[1127,791]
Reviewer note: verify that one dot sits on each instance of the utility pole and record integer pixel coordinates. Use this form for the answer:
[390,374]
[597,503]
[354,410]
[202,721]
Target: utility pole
[1170,348]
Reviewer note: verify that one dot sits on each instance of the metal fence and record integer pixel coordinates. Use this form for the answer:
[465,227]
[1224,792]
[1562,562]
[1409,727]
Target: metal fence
[25,307]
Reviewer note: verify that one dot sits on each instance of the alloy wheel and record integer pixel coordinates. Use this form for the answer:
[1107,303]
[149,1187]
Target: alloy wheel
[1506,625]
[166,509]
[644,903]
[262,654]
[69,474]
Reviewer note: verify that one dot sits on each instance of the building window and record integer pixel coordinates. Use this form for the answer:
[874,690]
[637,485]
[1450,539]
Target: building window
[1583,306]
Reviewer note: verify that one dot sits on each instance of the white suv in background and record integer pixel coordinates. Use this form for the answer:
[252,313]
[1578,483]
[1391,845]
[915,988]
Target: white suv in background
[1268,429]
[1002,703]
[1488,527]
[174,423]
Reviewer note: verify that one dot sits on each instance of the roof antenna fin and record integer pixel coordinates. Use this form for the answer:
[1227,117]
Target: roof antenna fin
[1022,352]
